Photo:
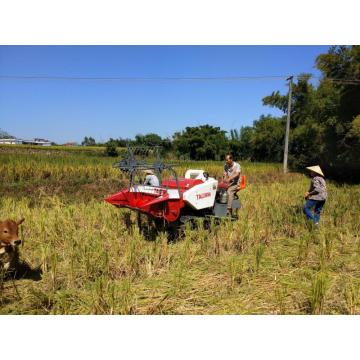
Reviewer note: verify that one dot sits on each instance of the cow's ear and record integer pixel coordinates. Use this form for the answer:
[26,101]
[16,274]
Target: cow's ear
[21,221]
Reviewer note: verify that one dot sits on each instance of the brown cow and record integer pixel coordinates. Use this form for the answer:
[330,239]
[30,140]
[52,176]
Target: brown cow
[9,241]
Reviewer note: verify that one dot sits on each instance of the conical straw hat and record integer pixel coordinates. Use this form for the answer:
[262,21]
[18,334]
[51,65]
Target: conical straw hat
[315,169]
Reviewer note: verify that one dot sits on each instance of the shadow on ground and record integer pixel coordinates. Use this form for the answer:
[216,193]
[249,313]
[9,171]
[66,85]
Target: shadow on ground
[24,271]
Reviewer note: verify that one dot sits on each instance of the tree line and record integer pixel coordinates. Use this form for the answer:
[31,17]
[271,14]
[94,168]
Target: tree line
[324,130]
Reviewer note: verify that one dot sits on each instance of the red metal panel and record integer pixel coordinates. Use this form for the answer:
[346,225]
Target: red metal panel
[159,206]
[183,183]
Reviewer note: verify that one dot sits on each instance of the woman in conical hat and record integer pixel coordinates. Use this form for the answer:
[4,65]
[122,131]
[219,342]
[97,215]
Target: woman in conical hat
[317,194]
[316,169]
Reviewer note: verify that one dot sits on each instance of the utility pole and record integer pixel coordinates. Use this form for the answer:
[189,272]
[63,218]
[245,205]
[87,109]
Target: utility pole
[290,79]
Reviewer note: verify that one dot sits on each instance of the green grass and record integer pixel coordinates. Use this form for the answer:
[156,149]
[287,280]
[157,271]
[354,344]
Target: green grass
[270,261]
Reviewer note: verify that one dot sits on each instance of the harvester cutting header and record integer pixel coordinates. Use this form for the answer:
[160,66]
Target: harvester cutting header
[173,199]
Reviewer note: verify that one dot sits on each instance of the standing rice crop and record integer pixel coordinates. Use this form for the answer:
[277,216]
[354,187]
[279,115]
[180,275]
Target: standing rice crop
[95,260]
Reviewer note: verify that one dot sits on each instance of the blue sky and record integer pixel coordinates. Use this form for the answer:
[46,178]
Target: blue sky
[63,110]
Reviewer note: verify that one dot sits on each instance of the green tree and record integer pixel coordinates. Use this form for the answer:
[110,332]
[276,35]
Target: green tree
[241,143]
[268,138]
[307,144]
[152,139]
[341,73]
[203,142]
[246,143]
[324,119]
[110,149]
[88,141]
[302,101]
[148,140]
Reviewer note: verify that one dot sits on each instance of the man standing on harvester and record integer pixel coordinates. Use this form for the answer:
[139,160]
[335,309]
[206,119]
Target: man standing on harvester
[231,176]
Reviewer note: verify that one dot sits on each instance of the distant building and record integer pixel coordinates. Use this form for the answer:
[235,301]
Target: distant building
[10,141]
[36,141]
[71,144]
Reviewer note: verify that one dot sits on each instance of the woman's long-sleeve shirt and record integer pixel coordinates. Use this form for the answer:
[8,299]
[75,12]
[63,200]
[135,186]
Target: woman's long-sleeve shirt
[318,188]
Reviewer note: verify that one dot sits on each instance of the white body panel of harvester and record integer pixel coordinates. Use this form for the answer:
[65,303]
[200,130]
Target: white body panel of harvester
[195,174]
[156,190]
[201,196]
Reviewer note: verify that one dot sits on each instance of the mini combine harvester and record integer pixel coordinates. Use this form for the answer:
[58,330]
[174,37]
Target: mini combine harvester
[176,200]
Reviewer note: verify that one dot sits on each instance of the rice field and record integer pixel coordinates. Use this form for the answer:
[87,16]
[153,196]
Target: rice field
[94,259]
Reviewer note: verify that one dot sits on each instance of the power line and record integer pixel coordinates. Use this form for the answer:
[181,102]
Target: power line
[198,78]
[169,79]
